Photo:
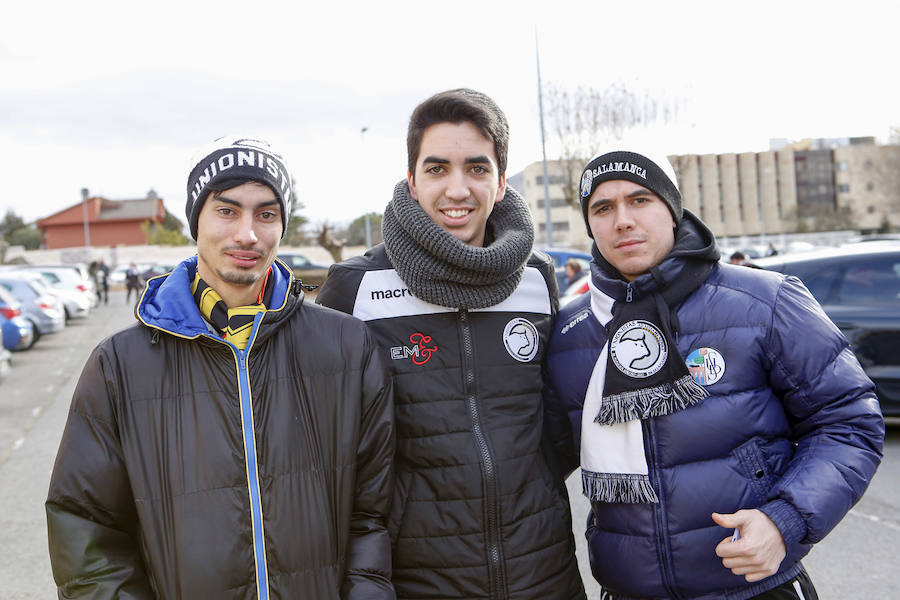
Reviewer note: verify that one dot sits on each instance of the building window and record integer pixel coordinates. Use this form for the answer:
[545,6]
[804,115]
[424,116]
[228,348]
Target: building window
[552,179]
[843,166]
[870,186]
[844,188]
[557,226]
[554,202]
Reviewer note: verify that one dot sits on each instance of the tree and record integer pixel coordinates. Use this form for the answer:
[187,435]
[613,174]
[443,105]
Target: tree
[28,237]
[11,222]
[168,233]
[295,236]
[334,245]
[356,231]
[583,120]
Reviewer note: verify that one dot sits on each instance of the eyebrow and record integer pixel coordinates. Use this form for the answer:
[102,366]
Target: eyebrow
[231,202]
[482,159]
[635,194]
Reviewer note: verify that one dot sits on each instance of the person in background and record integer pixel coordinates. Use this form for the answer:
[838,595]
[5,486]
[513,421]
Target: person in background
[102,274]
[236,442]
[132,282]
[573,271]
[722,422]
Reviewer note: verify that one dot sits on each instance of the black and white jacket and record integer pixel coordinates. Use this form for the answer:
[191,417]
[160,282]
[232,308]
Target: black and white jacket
[478,511]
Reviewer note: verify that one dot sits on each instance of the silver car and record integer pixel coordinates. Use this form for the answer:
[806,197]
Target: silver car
[45,311]
[71,279]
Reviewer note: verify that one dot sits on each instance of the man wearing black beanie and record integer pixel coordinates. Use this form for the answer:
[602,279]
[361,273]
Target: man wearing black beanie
[462,310]
[236,442]
[721,421]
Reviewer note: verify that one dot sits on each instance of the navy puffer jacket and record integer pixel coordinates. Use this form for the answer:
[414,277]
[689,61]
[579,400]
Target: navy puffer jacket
[792,427]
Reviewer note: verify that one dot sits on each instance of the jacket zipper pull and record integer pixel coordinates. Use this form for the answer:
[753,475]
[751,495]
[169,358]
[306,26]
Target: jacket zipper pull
[628,293]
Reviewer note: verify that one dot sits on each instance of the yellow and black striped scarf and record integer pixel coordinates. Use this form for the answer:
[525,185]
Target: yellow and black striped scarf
[234,324]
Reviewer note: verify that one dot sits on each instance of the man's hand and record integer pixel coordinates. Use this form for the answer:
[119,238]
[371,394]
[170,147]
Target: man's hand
[760,549]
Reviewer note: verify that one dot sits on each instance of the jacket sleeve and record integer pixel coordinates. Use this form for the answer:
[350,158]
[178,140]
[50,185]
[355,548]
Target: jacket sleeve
[368,571]
[91,517]
[557,430]
[339,290]
[834,414]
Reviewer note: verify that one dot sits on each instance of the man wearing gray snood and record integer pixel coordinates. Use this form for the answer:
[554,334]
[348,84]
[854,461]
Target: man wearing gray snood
[462,309]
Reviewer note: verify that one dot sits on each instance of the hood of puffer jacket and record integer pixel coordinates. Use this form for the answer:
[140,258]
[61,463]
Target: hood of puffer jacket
[167,303]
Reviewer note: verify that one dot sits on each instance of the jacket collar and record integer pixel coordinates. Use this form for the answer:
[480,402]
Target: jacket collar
[167,302]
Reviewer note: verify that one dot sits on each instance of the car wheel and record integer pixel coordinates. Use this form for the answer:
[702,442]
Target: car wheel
[37,334]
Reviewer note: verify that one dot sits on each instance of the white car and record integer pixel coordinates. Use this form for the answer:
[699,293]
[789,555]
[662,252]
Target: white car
[73,281]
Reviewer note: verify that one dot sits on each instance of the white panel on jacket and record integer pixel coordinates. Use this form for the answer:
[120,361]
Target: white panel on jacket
[383,294]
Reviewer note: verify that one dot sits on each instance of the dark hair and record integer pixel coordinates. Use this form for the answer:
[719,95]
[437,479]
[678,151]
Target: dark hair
[458,106]
[738,255]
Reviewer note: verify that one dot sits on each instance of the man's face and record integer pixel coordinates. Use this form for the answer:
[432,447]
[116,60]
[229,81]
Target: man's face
[456,180]
[238,232]
[632,226]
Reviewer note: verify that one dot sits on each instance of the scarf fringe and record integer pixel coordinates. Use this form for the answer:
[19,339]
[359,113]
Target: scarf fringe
[618,487]
[650,402]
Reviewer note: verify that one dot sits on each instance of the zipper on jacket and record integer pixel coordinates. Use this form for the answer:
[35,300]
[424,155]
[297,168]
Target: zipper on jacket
[488,468]
[662,546]
[248,432]
[628,292]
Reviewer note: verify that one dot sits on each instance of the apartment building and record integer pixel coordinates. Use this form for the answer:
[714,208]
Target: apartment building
[846,183]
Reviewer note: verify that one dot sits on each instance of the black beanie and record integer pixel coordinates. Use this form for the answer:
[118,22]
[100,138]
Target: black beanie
[230,161]
[656,174]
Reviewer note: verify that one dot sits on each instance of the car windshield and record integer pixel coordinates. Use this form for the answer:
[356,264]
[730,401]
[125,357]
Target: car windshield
[20,290]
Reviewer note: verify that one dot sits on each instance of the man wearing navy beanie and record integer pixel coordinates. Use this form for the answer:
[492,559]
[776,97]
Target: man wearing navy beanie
[721,421]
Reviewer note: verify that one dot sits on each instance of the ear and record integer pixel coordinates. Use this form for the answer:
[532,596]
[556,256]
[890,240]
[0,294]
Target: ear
[501,188]
[411,182]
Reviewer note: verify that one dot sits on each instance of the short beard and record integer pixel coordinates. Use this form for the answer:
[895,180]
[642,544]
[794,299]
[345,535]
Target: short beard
[238,278]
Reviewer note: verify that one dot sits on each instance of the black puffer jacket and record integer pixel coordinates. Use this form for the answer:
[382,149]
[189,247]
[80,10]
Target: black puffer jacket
[477,512]
[190,469]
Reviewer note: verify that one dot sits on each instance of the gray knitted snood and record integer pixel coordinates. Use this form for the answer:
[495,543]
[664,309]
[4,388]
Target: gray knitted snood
[440,269]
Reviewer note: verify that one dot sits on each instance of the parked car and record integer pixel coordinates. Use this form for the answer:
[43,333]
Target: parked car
[859,287]
[75,303]
[560,257]
[304,269]
[17,331]
[5,362]
[74,279]
[45,311]
[154,270]
[576,288]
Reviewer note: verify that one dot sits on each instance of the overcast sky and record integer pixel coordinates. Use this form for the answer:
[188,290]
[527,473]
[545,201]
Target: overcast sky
[115,96]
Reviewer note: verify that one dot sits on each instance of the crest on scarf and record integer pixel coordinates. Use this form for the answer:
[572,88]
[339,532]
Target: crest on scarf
[520,337]
[638,349]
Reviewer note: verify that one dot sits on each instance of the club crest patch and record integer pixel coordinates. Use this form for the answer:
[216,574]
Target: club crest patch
[706,365]
[586,181]
[520,338]
[638,349]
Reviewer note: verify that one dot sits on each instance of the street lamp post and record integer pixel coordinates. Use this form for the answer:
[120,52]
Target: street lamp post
[549,225]
[362,133]
[87,229]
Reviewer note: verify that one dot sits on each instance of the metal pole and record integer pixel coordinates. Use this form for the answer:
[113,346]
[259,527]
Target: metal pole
[549,225]
[87,229]
[362,133]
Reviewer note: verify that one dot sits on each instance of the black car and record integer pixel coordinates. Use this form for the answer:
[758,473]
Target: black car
[858,285]
[304,269]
